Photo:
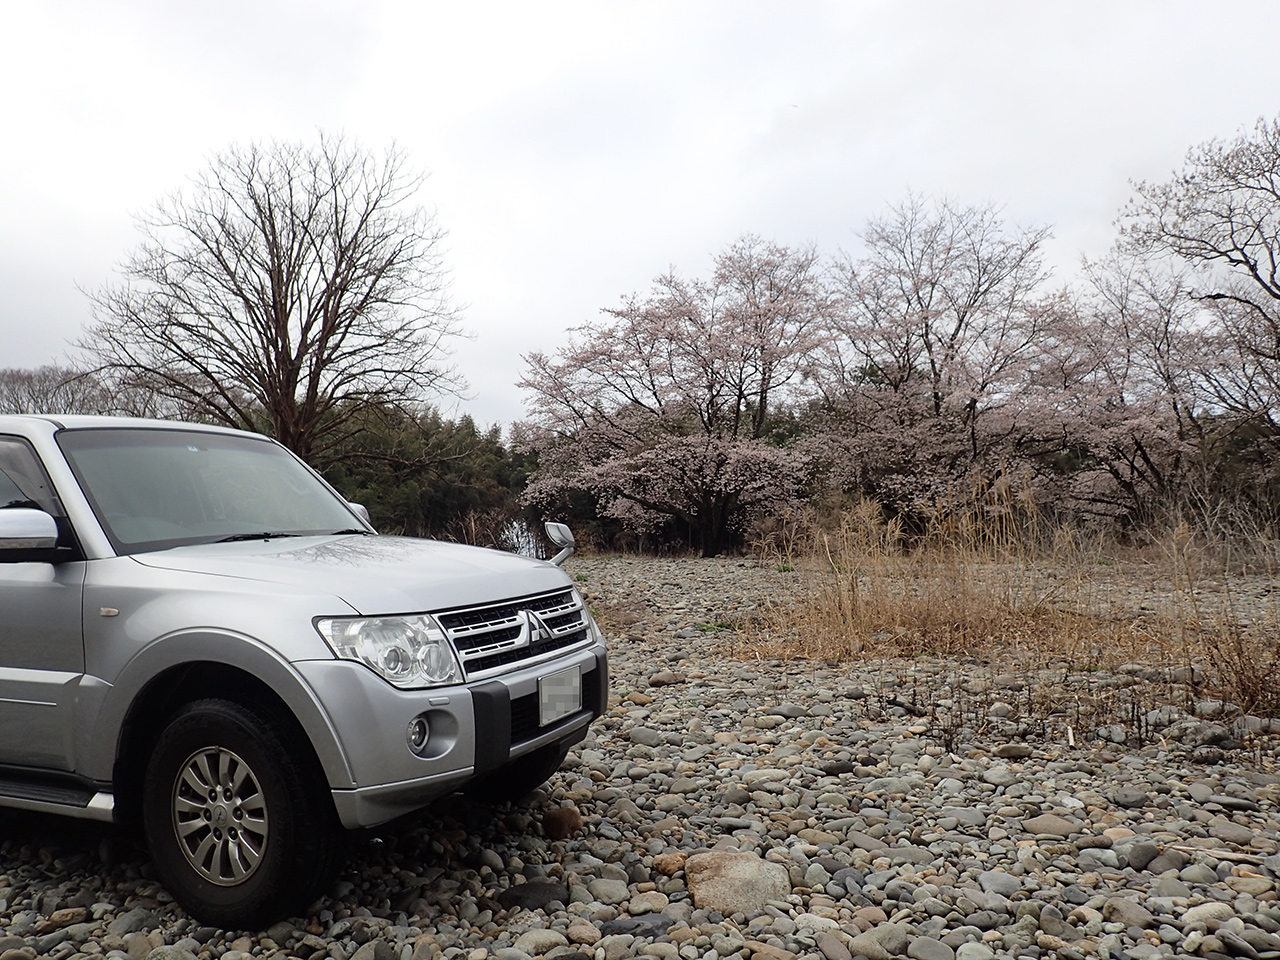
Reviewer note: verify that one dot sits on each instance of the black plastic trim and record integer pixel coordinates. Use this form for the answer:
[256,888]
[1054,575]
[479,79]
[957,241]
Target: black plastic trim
[598,702]
[492,705]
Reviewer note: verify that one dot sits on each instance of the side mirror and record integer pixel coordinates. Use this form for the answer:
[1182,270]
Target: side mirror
[562,537]
[25,534]
[361,511]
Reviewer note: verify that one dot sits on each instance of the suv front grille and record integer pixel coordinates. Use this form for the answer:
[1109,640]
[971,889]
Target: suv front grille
[515,631]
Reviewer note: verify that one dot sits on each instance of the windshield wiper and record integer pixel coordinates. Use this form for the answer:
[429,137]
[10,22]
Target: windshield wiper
[265,535]
[359,530]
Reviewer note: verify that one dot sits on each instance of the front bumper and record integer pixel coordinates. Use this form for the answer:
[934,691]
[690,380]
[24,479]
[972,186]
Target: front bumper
[475,729]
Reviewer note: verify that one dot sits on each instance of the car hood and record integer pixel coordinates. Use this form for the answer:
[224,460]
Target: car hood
[376,575]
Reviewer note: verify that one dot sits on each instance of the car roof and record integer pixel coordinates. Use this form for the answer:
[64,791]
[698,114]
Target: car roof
[79,421]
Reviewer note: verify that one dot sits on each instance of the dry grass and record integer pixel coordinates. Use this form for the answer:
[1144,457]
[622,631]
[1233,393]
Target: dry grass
[987,581]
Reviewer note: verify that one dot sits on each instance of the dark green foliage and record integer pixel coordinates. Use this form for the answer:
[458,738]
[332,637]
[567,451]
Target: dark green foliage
[428,476]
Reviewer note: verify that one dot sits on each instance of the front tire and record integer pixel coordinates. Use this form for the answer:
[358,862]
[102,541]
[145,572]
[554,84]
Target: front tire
[237,815]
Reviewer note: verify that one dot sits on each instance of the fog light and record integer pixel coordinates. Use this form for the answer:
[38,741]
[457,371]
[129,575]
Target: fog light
[417,734]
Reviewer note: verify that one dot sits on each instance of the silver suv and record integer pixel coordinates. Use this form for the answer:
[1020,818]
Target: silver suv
[199,634]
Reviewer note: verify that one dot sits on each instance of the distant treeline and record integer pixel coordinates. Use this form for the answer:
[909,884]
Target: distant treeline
[1121,469]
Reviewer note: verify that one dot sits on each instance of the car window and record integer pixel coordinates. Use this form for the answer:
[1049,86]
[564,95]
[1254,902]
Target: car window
[153,488]
[23,482]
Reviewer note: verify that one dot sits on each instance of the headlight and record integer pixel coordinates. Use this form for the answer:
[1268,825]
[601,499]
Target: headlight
[408,652]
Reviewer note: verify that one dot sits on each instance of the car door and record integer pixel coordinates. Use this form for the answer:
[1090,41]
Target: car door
[41,645]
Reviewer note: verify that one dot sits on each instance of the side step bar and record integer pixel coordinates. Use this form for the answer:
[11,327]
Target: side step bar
[69,798]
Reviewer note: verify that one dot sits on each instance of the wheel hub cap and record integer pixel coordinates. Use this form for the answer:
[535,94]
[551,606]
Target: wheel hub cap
[220,816]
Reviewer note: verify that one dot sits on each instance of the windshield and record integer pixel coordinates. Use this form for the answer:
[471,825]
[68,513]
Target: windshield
[155,488]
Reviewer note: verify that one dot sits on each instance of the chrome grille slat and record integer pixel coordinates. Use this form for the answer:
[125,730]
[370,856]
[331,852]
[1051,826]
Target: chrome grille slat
[497,636]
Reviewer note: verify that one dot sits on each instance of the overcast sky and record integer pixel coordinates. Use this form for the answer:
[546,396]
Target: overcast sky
[576,150]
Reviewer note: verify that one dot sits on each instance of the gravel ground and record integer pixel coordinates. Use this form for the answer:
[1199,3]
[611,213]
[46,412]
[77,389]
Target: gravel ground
[736,806]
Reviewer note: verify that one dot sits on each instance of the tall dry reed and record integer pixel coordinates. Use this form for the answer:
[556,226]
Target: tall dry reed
[990,579]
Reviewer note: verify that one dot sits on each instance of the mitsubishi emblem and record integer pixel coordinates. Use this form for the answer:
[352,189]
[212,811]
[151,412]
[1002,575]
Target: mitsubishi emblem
[538,629]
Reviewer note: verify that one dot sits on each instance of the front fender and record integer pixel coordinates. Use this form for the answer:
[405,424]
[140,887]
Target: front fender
[106,707]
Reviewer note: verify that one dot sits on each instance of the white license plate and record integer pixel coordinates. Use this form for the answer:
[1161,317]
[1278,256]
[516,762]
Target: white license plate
[559,695]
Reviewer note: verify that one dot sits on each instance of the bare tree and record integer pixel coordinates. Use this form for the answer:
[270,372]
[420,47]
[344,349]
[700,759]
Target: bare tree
[52,389]
[289,289]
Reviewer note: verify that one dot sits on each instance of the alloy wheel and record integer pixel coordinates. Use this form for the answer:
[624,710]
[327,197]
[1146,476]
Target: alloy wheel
[220,816]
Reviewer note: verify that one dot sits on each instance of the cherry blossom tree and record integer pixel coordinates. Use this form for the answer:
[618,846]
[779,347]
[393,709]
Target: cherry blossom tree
[1220,217]
[1115,394]
[939,321]
[663,408]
